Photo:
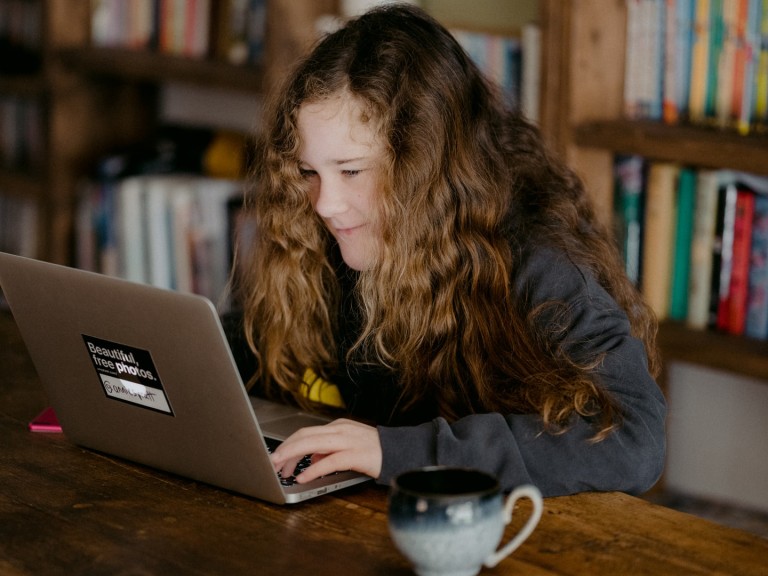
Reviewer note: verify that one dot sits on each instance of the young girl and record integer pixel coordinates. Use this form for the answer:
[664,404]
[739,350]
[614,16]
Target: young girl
[423,262]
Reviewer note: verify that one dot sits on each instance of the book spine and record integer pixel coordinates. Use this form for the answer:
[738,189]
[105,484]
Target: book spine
[756,325]
[747,112]
[699,61]
[658,236]
[727,68]
[686,198]
[531,81]
[702,248]
[716,24]
[739,281]
[723,258]
[761,97]
[629,184]
[633,60]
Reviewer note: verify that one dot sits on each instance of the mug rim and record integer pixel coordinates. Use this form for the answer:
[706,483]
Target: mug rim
[495,486]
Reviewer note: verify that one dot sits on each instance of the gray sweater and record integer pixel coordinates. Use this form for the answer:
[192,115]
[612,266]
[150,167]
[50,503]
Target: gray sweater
[514,446]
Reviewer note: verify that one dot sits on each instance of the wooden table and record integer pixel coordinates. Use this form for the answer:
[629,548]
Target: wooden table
[67,510]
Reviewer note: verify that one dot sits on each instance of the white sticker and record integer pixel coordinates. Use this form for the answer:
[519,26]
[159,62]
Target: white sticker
[127,374]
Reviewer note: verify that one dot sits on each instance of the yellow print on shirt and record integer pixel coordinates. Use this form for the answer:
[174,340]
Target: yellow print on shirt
[318,390]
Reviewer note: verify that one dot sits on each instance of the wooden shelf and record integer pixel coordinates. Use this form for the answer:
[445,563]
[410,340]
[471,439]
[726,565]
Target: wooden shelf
[23,85]
[153,67]
[20,183]
[699,146]
[716,350]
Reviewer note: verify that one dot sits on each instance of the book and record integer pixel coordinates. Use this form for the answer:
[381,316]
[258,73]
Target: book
[677,60]
[658,235]
[702,248]
[729,65]
[746,114]
[171,230]
[629,184]
[19,218]
[633,60]
[530,96]
[131,229]
[700,56]
[756,325]
[734,316]
[499,57]
[686,198]
[644,59]
[712,81]
[722,253]
[761,91]
[652,71]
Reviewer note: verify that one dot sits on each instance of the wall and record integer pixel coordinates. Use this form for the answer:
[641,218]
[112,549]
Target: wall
[718,433]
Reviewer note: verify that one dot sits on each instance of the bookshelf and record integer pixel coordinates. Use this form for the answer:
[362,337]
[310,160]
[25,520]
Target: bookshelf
[23,91]
[583,78]
[97,98]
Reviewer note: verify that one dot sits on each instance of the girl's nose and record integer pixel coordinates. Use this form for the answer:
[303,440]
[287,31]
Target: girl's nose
[329,201]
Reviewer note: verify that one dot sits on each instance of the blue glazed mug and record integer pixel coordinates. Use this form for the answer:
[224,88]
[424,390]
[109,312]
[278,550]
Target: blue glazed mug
[449,521]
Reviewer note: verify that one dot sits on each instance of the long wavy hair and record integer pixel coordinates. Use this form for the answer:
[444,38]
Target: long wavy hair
[465,185]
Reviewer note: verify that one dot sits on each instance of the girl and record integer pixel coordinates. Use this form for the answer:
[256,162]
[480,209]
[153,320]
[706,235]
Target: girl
[422,262]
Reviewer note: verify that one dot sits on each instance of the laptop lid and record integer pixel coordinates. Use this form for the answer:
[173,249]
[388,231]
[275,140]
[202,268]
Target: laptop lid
[146,374]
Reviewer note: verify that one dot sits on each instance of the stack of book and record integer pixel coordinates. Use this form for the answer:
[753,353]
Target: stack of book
[170,230]
[165,214]
[511,62]
[698,61]
[696,243]
[232,30]
[21,133]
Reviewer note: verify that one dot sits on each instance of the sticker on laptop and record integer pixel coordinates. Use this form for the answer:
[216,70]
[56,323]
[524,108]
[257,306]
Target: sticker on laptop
[127,374]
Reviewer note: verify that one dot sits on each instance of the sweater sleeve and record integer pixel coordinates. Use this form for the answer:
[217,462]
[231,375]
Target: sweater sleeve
[516,448]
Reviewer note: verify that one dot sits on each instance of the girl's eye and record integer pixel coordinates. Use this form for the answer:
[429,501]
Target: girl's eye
[351,172]
[306,173]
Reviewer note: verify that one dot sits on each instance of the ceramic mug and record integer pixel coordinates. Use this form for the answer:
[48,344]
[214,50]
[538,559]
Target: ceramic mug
[449,521]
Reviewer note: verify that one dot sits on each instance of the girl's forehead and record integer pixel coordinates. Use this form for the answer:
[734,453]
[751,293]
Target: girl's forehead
[339,104]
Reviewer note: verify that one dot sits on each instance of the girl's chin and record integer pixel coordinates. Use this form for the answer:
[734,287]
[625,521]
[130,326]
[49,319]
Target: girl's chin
[356,259]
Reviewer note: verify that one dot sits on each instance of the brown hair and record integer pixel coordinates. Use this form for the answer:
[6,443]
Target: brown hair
[465,183]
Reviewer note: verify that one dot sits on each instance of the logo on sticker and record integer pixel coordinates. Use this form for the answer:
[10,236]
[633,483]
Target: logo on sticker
[127,374]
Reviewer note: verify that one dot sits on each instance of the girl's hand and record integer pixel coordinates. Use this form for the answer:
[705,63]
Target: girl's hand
[335,447]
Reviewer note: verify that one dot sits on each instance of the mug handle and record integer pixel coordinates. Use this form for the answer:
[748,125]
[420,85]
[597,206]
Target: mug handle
[534,495]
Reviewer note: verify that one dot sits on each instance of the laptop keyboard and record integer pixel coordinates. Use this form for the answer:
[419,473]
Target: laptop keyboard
[303,463]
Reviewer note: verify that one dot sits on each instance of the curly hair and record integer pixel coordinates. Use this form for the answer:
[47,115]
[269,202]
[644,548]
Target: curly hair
[464,184]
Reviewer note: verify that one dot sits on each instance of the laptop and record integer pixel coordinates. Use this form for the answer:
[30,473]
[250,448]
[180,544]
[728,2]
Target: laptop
[146,374]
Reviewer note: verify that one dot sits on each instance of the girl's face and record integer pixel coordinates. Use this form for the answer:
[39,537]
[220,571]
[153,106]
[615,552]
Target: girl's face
[339,156]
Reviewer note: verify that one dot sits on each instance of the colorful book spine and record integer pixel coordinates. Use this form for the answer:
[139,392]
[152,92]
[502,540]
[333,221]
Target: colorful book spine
[740,256]
[728,65]
[633,61]
[700,61]
[703,248]
[761,96]
[748,114]
[654,73]
[716,35]
[686,199]
[629,184]
[757,304]
[722,258]
[658,236]
[679,41]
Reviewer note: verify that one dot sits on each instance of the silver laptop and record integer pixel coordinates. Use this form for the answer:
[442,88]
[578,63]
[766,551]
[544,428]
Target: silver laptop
[146,374]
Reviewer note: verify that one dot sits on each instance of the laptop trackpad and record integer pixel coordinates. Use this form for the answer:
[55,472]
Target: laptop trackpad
[281,428]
